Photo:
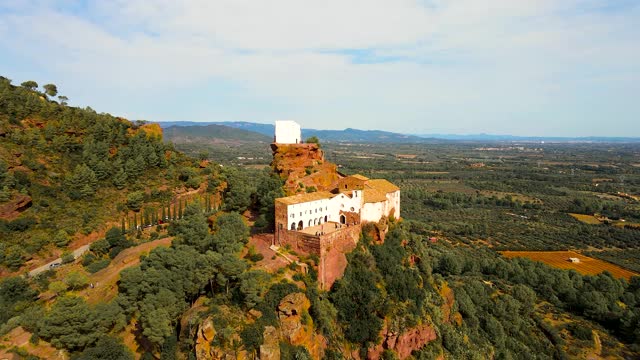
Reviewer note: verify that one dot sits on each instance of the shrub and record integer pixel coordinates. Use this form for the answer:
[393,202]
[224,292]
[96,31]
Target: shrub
[98,265]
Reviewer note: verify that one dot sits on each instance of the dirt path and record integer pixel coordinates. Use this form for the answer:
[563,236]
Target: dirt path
[105,281]
[271,262]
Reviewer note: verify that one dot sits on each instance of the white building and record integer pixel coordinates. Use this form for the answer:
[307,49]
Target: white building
[288,132]
[356,199]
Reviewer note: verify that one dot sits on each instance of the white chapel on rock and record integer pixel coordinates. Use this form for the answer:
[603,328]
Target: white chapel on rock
[287,132]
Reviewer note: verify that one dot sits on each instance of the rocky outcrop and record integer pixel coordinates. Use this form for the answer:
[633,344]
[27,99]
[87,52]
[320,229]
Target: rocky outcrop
[303,164]
[205,334]
[404,343]
[296,326]
[270,348]
[12,209]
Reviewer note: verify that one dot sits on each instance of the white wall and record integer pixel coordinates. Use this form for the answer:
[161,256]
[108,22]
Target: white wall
[288,132]
[312,211]
[372,212]
[343,202]
[394,203]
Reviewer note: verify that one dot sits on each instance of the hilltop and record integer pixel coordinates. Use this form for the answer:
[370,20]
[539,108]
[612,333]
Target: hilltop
[68,172]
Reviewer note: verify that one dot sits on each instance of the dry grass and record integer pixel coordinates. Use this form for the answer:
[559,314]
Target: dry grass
[587,219]
[560,260]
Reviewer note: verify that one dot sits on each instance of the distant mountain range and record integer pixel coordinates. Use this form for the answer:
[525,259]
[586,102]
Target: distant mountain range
[213,131]
[222,130]
[346,135]
[512,138]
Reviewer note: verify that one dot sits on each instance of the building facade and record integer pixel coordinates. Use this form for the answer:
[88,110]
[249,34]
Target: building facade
[355,199]
[288,132]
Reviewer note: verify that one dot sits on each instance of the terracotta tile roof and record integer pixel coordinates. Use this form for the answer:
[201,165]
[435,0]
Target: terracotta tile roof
[373,196]
[307,197]
[382,185]
[360,177]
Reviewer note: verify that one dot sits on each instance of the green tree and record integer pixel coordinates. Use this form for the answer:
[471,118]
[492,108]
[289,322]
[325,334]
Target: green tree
[134,200]
[5,194]
[106,348]
[30,85]
[359,300]
[70,324]
[76,280]
[50,89]
[313,140]
[63,100]
[58,287]
[61,239]
[82,182]
[253,285]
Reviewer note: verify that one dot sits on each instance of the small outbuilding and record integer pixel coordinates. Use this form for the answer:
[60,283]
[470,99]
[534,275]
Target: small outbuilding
[574,260]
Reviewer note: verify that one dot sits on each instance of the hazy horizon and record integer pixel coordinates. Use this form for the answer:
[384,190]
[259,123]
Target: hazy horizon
[524,68]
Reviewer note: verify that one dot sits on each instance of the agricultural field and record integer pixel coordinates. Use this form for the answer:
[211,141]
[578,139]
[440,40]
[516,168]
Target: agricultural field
[527,197]
[560,260]
[587,219]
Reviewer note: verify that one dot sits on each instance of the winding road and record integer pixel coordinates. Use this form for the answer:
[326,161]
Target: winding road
[76,254]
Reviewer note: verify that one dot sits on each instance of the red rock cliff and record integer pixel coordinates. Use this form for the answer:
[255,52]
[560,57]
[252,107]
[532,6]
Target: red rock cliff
[303,164]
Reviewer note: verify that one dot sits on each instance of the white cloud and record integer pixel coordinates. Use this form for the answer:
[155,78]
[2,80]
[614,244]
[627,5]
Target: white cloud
[458,61]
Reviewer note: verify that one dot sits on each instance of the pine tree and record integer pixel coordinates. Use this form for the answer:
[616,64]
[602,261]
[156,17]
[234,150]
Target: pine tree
[5,194]
[120,179]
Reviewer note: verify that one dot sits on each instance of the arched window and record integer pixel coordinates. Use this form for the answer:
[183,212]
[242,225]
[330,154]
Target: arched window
[293,226]
[325,218]
[300,225]
[310,222]
[315,222]
[343,219]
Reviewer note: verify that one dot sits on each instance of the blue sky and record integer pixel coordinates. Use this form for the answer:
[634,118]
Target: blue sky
[543,67]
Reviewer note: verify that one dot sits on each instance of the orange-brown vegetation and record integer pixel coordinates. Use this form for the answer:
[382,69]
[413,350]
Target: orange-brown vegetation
[560,260]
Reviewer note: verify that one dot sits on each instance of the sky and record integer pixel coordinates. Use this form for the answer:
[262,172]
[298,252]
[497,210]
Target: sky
[520,67]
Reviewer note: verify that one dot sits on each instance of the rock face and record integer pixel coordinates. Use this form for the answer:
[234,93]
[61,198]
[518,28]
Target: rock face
[270,349]
[296,326]
[12,209]
[403,344]
[205,334]
[303,164]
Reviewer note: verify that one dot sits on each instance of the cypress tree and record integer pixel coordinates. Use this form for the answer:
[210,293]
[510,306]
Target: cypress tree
[169,212]
[180,209]
[164,213]
[135,221]
[124,230]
